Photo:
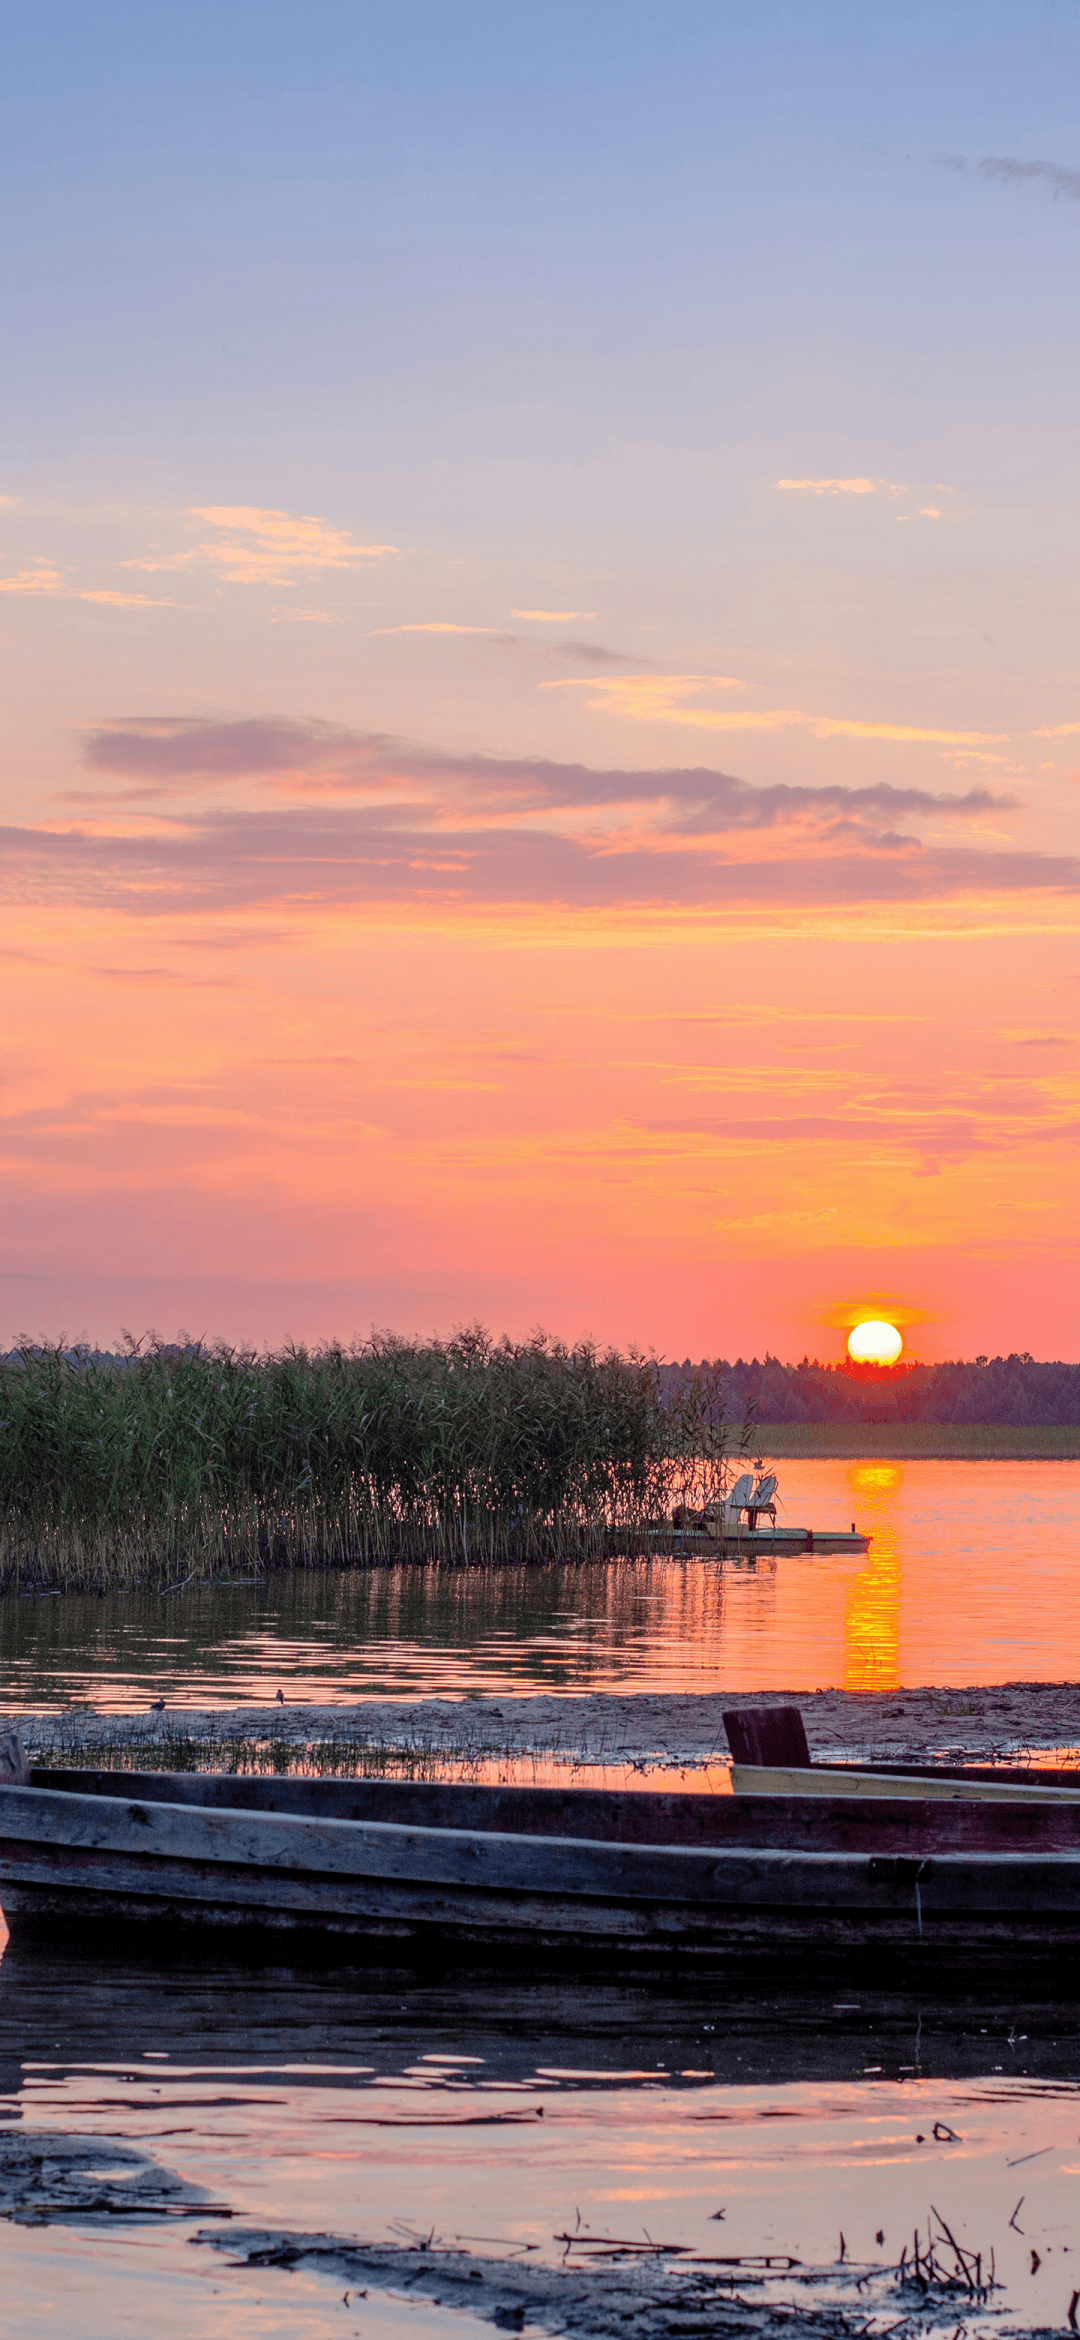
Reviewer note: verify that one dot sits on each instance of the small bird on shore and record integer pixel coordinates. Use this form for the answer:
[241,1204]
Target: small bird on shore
[157,1706]
[280,1694]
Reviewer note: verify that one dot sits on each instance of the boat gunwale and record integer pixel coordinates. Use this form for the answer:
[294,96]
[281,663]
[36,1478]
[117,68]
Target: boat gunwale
[215,1843]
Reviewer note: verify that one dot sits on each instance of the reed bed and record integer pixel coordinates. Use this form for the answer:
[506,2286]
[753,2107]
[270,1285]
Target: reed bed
[168,1465]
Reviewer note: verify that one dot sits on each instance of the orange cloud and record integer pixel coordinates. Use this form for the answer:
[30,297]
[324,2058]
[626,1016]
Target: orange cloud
[260,546]
[42,578]
[126,600]
[649,698]
[840,487]
[553,617]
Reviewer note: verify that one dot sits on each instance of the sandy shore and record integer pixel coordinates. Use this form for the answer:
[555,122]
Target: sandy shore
[996,1723]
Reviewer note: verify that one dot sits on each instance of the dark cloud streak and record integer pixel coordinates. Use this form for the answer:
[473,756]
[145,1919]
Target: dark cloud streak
[1008,168]
[594,654]
[163,753]
[336,856]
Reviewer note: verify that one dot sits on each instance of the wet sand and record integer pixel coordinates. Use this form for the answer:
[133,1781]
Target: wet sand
[602,2290]
[1007,1722]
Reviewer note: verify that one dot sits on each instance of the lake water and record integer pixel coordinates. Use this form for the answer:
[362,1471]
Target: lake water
[973,1576]
[378,2105]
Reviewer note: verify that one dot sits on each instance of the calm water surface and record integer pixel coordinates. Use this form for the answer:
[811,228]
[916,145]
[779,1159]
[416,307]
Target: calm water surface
[973,1576]
[376,2104]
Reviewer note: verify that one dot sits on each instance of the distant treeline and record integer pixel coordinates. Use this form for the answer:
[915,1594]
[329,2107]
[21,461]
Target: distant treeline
[1001,1390]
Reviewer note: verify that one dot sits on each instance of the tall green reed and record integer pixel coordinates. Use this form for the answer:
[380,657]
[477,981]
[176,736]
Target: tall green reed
[167,1464]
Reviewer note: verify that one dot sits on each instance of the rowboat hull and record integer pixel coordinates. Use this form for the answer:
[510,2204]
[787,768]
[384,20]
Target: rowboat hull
[766,1874]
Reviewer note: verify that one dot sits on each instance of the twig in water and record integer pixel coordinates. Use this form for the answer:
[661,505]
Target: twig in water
[1012,2221]
[962,2257]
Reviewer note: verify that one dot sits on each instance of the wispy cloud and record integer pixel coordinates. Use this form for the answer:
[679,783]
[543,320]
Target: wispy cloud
[1056,731]
[425,826]
[653,698]
[554,617]
[164,753]
[650,697]
[841,487]
[319,856]
[942,1137]
[257,546]
[125,600]
[438,626]
[594,654]
[42,578]
[1061,178]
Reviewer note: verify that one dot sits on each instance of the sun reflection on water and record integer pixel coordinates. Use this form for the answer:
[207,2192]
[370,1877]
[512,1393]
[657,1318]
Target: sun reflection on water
[872,1612]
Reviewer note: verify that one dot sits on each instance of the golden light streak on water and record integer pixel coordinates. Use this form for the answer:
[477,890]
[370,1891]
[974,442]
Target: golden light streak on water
[872,1613]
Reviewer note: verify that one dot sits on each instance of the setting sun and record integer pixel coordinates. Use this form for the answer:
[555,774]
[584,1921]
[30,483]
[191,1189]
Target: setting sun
[874,1343]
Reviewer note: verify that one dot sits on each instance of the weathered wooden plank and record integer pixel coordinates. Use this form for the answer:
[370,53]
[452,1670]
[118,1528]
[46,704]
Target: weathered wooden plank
[253,1892]
[527,1931]
[273,1849]
[774,1779]
[831,1822]
[645,1817]
[557,1865]
[767,1734]
[107,1890]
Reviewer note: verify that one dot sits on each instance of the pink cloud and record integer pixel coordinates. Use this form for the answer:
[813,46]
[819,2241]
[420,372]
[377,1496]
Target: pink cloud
[304,857]
[335,817]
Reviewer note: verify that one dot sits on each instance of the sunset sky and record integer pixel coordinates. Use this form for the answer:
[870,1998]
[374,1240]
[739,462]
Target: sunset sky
[538,561]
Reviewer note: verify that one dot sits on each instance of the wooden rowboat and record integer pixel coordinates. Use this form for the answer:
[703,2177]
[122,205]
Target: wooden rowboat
[449,1871]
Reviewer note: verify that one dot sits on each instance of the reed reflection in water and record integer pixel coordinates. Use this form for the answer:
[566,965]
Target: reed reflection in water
[971,1577]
